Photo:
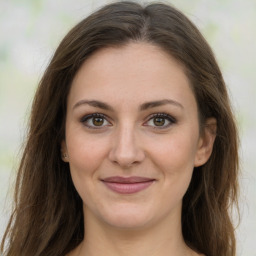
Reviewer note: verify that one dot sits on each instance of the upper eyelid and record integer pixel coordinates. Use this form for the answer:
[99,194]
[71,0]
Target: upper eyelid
[161,114]
[170,119]
[88,116]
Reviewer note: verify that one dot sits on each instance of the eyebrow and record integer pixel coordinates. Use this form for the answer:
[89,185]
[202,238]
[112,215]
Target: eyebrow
[94,103]
[158,103]
[144,106]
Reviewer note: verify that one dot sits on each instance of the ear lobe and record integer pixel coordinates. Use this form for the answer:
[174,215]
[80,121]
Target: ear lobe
[206,141]
[63,150]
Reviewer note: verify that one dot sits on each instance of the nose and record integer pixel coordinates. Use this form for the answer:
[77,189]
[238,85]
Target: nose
[125,150]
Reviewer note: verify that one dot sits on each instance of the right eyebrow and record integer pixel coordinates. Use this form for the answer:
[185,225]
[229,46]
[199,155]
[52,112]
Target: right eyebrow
[157,103]
[94,103]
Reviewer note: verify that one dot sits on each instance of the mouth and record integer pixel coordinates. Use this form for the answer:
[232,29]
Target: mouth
[127,185]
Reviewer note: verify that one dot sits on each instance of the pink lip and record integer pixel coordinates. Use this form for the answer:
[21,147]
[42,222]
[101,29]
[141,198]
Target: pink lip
[127,185]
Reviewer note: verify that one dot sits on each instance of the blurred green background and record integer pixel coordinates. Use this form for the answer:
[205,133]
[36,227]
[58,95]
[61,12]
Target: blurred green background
[30,30]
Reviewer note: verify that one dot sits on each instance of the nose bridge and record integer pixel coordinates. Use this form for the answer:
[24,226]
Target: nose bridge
[126,138]
[125,148]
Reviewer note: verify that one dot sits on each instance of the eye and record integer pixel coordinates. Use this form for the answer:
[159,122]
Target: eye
[95,121]
[160,121]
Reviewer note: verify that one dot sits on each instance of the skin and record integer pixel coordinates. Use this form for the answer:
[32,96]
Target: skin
[129,141]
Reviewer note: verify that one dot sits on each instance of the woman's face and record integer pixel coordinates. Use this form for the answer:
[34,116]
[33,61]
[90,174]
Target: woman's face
[132,136]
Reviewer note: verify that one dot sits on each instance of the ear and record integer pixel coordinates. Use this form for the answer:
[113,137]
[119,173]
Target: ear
[206,141]
[64,152]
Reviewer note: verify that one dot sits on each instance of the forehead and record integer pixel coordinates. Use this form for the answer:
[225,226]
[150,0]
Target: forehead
[135,72]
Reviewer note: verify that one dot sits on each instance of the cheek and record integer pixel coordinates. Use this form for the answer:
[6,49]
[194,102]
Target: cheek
[175,151]
[174,157]
[176,162]
[85,153]
[85,158]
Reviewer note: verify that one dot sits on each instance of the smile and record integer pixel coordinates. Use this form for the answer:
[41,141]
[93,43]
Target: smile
[127,185]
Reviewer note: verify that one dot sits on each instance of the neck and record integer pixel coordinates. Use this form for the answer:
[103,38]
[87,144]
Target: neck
[160,239]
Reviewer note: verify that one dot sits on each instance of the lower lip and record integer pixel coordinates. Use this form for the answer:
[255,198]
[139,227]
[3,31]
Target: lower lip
[128,188]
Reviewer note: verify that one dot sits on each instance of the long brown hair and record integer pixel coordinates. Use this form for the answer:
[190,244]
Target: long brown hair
[48,219]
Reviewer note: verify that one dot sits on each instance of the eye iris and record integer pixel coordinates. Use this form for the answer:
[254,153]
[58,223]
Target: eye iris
[98,121]
[159,121]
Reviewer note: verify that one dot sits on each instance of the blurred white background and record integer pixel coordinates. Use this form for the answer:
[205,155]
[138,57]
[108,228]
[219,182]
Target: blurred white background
[30,30]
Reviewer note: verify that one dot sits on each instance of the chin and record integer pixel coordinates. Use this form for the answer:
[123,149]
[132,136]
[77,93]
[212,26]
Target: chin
[127,218]
[128,222]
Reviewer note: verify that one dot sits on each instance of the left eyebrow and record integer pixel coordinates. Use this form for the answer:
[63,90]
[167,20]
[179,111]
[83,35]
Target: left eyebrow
[153,104]
[94,103]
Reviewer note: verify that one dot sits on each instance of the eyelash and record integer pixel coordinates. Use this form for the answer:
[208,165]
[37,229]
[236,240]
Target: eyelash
[164,116]
[86,118]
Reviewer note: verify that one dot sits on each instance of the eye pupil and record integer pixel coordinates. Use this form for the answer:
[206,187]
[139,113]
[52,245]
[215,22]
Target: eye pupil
[159,121]
[98,121]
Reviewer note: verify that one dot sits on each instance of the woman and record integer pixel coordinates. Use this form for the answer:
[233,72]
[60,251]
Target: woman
[132,147]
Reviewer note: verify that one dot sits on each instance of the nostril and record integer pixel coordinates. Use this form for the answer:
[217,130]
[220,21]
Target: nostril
[126,159]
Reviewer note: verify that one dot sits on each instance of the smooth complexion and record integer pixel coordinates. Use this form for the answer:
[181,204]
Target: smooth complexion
[131,114]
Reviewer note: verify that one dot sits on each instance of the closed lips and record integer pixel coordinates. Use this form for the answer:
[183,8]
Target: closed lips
[133,179]
[127,185]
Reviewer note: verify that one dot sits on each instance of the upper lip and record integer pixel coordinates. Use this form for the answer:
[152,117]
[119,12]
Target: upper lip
[131,179]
